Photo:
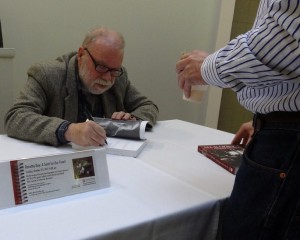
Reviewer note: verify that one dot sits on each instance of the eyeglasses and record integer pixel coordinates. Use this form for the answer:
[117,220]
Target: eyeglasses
[103,69]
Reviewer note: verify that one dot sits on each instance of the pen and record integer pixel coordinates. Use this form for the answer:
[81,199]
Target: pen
[93,120]
[88,115]
[90,118]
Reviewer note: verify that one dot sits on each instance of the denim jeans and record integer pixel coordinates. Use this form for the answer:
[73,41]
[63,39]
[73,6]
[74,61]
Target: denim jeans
[265,201]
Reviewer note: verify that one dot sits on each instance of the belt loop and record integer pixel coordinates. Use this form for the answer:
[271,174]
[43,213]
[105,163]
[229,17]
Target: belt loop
[257,122]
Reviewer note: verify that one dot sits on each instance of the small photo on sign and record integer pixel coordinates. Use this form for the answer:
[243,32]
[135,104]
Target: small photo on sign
[83,167]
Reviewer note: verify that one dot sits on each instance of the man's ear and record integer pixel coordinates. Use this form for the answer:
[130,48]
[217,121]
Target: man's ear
[80,53]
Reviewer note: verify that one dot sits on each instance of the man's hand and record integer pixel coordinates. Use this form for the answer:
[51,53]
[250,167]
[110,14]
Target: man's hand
[122,116]
[244,134]
[188,69]
[86,134]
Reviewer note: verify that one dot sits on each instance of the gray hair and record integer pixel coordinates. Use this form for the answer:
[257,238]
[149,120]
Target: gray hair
[106,35]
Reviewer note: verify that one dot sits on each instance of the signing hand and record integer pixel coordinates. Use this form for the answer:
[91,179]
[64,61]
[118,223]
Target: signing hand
[244,134]
[86,134]
[188,69]
[122,116]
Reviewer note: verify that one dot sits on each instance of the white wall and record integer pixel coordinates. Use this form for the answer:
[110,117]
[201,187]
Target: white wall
[156,32]
[6,89]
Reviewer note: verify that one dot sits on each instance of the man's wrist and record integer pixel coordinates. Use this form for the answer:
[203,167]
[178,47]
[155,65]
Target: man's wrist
[60,132]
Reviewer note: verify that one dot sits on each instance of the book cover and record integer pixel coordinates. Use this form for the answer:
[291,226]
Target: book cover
[119,146]
[41,178]
[227,156]
[131,129]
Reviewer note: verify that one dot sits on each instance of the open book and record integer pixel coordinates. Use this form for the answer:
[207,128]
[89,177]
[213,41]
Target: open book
[125,137]
[130,129]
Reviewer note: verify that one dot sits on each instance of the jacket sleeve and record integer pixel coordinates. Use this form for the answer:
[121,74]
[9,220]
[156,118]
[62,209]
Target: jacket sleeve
[26,119]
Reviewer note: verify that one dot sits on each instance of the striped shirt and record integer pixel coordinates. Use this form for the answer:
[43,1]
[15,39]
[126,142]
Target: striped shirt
[263,65]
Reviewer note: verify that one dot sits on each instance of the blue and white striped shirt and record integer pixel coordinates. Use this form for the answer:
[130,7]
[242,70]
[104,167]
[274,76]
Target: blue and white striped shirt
[263,65]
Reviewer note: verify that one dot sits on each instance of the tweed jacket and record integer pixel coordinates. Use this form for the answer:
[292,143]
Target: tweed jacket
[50,96]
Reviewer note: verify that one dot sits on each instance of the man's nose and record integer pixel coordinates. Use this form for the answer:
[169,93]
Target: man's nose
[107,76]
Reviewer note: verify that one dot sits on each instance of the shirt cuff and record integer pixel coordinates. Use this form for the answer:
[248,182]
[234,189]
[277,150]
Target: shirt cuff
[209,70]
[60,132]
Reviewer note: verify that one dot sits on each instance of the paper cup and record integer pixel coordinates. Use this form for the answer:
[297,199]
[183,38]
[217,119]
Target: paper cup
[197,93]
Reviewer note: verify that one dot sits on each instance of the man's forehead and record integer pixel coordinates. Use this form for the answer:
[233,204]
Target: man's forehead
[109,57]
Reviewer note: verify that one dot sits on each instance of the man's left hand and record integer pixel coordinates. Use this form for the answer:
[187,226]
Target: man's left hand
[122,116]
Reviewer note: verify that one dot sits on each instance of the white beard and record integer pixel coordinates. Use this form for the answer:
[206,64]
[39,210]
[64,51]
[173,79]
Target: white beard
[90,85]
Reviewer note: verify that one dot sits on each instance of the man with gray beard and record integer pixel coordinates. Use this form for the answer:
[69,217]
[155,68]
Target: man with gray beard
[59,96]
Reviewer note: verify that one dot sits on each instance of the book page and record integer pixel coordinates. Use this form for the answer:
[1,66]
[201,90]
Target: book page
[131,145]
[118,146]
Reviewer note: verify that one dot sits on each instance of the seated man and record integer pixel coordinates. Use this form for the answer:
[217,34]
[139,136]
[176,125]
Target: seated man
[59,96]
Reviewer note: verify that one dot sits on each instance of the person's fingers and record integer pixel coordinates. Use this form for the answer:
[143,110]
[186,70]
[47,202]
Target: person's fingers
[121,116]
[95,134]
[118,115]
[126,116]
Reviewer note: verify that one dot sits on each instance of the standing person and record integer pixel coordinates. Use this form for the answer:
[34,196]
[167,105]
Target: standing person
[263,67]
[59,96]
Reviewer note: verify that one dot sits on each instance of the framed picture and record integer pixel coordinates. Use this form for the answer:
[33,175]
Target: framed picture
[1,39]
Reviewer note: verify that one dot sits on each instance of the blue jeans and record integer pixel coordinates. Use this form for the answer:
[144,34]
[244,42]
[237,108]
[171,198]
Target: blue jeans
[265,201]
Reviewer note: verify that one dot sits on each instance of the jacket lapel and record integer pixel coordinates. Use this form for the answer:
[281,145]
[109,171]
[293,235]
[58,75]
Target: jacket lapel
[71,100]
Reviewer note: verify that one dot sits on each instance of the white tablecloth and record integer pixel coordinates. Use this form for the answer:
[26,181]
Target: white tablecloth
[169,191]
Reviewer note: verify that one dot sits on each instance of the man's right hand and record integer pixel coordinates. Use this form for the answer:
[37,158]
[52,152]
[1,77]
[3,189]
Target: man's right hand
[86,134]
[244,134]
[188,69]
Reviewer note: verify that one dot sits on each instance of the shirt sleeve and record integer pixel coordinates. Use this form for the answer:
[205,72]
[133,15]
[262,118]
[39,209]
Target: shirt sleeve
[267,54]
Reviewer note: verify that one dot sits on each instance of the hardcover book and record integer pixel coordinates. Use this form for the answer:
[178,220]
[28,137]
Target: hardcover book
[29,180]
[125,137]
[227,156]
[119,146]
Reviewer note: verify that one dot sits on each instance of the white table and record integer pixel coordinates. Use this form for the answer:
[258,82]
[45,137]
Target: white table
[169,192]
